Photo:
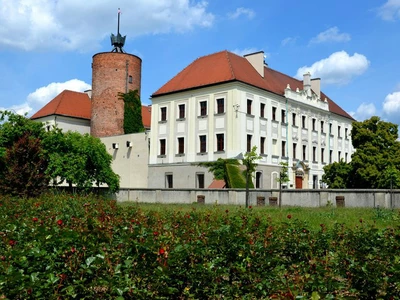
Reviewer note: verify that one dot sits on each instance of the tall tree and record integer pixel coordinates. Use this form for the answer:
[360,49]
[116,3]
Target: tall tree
[376,161]
[24,171]
[133,122]
[80,160]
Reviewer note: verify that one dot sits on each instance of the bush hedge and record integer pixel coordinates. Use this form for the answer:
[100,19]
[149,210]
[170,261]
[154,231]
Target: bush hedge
[67,247]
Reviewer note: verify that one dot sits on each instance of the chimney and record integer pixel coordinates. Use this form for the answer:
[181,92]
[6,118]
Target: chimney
[316,86]
[257,61]
[306,81]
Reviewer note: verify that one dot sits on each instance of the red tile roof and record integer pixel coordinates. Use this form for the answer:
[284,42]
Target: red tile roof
[217,184]
[146,116]
[224,66]
[67,103]
[78,105]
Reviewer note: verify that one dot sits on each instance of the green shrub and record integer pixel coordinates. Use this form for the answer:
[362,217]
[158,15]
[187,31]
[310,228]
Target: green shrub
[67,247]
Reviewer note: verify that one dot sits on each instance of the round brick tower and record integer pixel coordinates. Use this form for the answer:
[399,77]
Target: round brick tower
[113,73]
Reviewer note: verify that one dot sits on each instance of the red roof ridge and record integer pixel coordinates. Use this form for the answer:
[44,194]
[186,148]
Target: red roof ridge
[229,62]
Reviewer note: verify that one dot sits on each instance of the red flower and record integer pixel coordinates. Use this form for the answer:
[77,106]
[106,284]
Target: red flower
[155,233]
[73,249]
[63,276]
[12,243]
[361,220]
[226,211]
[59,222]
[250,207]
[161,251]
[35,219]
[289,216]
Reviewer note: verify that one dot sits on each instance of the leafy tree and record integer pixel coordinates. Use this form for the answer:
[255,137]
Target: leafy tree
[337,175]
[24,171]
[228,169]
[27,148]
[133,122]
[80,160]
[219,168]
[283,178]
[376,161]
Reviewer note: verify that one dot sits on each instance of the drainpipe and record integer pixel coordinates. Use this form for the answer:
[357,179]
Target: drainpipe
[287,138]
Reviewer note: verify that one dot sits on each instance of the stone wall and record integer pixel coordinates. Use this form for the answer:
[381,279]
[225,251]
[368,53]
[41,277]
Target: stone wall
[305,198]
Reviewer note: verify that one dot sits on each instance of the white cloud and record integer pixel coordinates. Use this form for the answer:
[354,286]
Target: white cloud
[364,111]
[339,68]
[288,41]
[242,11]
[242,52]
[330,35]
[37,99]
[21,109]
[391,107]
[44,94]
[75,24]
[390,10]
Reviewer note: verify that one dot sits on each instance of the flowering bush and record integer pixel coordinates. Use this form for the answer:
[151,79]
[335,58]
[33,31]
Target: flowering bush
[65,247]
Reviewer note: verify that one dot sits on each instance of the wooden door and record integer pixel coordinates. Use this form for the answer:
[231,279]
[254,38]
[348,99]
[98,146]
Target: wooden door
[299,182]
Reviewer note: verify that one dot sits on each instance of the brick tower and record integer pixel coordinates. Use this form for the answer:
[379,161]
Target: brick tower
[112,73]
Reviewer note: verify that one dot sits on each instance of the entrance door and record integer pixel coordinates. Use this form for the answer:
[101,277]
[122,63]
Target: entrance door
[299,182]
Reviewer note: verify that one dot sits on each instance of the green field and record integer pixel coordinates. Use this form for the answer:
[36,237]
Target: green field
[66,247]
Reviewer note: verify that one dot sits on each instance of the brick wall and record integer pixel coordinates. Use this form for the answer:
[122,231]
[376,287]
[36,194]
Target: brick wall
[110,76]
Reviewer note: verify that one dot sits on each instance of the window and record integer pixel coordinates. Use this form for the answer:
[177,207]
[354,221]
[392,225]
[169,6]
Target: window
[330,128]
[345,157]
[314,153]
[262,110]
[273,113]
[322,154]
[163,114]
[169,181]
[294,150]
[283,149]
[313,124]
[330,156]
[249,136]
[262,145]
[130,79]
[322,126]
[249,103]
[338,131]
[283,116]
[203,143]
[294,119]
[274,147]
[162,147]
[258,180]
[304,152]
[181,111]
[203,108]
[200,181]
[181,145]
[339,155]
[345,133]
[303,122]
[220,142]
[220,106]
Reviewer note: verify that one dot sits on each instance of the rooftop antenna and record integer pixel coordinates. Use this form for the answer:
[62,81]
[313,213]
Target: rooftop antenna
[118,40]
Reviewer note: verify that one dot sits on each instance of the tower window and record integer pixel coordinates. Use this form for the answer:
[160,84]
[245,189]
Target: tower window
[130,79]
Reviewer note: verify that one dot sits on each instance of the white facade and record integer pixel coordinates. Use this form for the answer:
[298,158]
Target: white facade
[66,123]
[297,128]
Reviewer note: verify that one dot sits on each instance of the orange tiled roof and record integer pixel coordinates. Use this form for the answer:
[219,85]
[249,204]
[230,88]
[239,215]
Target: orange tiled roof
[67,103]
[217,184]
[78,105]
[224,66]
[146,116]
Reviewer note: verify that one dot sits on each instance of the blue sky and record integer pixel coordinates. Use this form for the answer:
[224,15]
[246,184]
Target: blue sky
[46,46]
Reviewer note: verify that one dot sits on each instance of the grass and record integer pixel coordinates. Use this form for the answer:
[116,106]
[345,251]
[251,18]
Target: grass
[313,217]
